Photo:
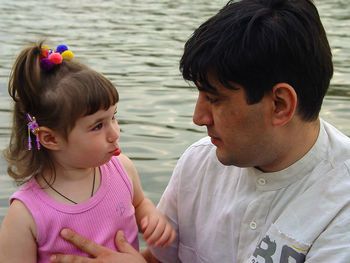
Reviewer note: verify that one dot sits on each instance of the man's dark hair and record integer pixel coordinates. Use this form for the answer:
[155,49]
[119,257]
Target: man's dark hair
[259,43]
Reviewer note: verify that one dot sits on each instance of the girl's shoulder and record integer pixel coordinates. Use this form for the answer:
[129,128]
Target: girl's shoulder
[129,168]
[18,227]
[126,162]
[120,162]
[19,219]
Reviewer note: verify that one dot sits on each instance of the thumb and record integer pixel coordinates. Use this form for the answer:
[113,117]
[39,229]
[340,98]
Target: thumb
[123,245]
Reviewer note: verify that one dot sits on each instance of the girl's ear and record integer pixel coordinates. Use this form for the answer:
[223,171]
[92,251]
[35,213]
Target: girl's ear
[285,103]
[48,138]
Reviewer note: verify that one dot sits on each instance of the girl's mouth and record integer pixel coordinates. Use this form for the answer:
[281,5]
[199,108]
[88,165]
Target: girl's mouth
[116,152]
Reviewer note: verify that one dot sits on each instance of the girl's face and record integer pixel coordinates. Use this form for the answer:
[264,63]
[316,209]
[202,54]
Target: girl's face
[92,142]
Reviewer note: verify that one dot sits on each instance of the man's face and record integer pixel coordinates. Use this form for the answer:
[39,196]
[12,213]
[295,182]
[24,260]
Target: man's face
[242,133]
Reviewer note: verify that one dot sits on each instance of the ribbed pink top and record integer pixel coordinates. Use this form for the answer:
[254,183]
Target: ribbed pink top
[98,219]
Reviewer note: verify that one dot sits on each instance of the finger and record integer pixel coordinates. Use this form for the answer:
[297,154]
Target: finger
[69,259]
[157,233]
[82,243]
[144,223]
[171,239]
[165,237]
[152,224]
[122,244]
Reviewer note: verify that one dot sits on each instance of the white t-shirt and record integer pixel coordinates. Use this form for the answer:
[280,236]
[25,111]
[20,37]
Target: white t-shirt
[235,215]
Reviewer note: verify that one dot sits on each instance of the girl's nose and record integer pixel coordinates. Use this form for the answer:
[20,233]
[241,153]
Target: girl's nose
[114,133]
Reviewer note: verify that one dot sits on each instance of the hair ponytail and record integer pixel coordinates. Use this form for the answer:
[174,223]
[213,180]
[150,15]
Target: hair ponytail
[24,85]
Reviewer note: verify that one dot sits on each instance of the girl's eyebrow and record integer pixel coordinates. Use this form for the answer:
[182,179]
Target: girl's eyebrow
[100,119]
[95,122]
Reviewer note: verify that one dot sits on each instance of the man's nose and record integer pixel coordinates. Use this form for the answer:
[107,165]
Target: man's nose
[202,112]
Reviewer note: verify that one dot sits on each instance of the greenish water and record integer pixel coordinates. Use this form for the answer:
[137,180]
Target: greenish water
[137,44]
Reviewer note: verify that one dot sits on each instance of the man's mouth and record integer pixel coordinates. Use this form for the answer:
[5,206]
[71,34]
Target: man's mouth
[214,140]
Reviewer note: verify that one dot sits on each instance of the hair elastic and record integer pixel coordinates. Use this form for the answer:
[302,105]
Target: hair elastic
[33,127]
[50,57]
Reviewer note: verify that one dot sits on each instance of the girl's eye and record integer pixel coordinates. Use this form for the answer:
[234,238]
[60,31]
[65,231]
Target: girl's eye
[97,127]
[114,115]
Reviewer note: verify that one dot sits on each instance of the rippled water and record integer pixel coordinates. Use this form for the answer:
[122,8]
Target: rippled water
[137,44]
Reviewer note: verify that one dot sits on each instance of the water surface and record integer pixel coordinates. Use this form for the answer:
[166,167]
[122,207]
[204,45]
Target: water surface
[137,45]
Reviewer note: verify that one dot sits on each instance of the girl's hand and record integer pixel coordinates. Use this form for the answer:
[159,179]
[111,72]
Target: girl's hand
[157,230]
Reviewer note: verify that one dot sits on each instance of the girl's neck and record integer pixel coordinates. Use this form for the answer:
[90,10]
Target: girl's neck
[70,186]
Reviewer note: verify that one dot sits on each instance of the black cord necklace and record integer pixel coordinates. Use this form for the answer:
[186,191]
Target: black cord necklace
[70,200]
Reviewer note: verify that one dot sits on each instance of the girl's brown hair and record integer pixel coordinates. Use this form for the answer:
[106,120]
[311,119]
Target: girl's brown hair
[56,98]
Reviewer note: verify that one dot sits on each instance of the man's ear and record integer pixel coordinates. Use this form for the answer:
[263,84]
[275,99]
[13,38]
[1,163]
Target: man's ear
[285,103]
[48,138]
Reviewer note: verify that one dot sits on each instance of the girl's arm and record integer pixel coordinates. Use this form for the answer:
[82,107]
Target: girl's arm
[17,235]
[155,227]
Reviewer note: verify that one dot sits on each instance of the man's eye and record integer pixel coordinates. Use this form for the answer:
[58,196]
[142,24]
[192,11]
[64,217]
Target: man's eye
[97,127]
[211,99]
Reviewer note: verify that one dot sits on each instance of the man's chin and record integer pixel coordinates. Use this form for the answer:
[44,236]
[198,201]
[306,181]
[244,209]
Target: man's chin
[222,157]
[227,160]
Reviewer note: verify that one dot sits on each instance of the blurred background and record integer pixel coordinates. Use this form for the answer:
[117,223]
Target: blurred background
[137,45]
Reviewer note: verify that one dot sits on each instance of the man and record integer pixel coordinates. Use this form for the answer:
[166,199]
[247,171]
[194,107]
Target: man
[271,182]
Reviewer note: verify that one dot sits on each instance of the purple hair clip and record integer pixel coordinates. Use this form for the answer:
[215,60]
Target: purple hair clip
[33,127]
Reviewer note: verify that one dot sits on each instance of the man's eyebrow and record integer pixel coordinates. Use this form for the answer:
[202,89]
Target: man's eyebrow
[211,91]
[206,88]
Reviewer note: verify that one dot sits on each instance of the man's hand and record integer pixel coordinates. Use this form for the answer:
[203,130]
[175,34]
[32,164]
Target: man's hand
[99,253]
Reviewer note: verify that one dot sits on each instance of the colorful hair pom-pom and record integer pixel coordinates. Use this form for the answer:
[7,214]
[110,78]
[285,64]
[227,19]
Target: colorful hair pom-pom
[46,64]
[67,55]
[44,53]
[50,57]
[61,48]
[50,50]
[55,58]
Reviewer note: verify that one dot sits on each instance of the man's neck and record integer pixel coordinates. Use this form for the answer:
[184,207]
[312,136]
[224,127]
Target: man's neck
[296,140]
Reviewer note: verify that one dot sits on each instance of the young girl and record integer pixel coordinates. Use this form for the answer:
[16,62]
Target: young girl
[64,146]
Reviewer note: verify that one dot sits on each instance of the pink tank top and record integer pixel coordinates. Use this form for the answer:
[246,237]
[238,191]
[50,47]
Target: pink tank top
[97,219]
